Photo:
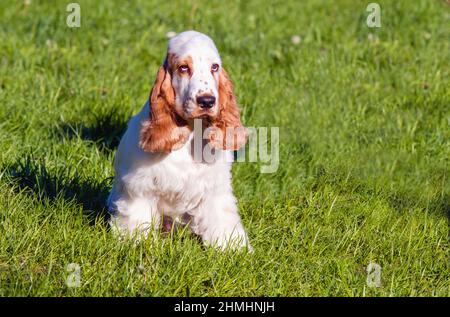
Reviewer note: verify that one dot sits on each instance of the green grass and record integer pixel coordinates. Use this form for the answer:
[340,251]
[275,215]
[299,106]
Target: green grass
[364,122]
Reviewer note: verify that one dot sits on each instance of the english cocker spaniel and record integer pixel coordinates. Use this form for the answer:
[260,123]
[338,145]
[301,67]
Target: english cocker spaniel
[173,163]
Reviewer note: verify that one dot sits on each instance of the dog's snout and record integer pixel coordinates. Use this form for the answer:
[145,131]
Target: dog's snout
[206,101]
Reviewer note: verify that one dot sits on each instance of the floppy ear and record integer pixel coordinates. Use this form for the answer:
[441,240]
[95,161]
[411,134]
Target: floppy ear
[227,131]
[164,131]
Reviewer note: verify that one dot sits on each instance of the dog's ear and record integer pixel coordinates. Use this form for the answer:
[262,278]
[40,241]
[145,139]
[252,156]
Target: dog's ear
[227,131]
[164,131]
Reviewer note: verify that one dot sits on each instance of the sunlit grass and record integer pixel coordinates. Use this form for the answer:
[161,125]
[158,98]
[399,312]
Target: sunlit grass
[364,147]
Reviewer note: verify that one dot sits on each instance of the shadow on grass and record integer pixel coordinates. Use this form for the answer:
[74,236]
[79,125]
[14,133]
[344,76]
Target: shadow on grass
[33,176]
[104,129]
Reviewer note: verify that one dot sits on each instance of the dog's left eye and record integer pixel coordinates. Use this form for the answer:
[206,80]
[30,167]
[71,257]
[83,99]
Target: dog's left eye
[215,67]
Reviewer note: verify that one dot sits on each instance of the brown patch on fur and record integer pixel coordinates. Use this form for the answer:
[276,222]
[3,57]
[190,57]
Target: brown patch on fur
[226,130]
[165,130]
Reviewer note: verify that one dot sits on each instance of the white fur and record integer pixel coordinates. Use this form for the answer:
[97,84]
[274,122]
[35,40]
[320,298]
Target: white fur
[201,49]
[149,186]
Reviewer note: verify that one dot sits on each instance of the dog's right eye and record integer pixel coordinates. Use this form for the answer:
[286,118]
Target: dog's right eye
[183,68]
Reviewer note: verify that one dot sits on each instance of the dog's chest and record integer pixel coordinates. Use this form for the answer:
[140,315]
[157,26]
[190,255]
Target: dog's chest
[181,183]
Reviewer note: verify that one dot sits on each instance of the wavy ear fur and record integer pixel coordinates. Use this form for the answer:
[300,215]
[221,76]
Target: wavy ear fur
[165,130]
[227,131]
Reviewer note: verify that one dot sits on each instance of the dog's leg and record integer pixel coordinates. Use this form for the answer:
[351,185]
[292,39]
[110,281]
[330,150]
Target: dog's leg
[217,221]
[133,215]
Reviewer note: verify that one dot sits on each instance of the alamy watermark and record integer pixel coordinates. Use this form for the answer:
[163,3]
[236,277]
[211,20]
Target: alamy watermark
[74,17]
[373,275]
[374,17]
[258,149]
[73,279]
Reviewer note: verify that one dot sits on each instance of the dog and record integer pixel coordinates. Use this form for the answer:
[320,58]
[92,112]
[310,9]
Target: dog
[157,176]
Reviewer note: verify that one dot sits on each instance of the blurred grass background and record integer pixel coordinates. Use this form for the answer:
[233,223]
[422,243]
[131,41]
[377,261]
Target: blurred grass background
[364,123]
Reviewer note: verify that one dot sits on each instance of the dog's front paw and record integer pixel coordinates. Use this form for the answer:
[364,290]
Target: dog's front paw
[236,240]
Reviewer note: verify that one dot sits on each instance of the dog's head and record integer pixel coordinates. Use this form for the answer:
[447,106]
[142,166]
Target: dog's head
[192,84]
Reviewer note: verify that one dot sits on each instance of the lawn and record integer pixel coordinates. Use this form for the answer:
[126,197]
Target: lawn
[364,122]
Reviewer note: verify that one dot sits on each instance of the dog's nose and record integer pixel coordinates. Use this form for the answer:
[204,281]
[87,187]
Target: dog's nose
[206,101]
